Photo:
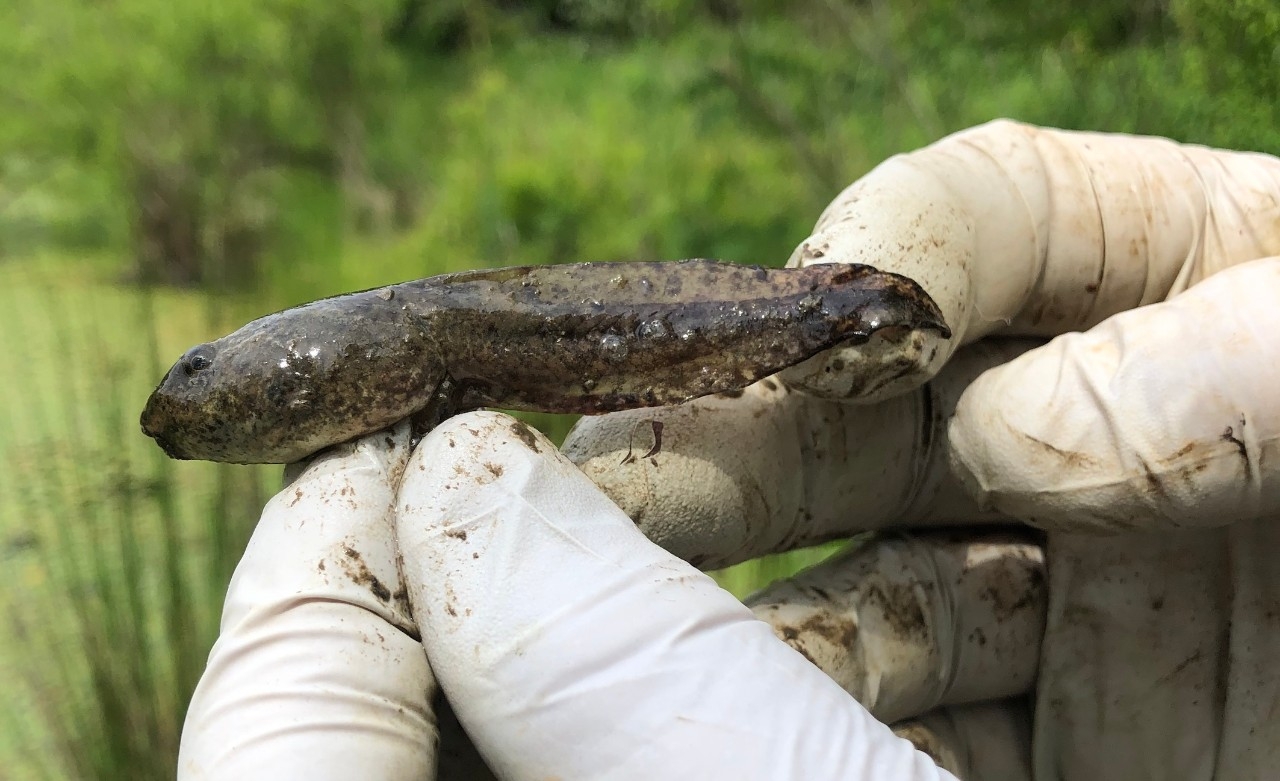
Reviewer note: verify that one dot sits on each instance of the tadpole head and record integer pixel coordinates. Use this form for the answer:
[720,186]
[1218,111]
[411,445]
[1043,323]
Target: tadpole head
[246,398]
[288,385]
[184,402]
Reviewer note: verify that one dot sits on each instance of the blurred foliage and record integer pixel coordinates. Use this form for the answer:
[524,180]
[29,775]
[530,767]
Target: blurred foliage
[211,142]
[256,153]
[219,144]
[190,118]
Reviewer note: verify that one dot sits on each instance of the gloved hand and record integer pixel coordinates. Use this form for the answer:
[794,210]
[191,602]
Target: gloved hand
[1155,425]
[572,647]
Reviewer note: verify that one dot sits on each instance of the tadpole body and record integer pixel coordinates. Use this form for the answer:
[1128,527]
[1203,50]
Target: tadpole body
[584,338]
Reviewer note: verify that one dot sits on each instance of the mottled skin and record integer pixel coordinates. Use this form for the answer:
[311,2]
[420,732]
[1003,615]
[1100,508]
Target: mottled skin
[588,338]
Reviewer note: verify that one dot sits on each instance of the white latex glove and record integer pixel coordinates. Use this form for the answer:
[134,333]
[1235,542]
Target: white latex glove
[1148,653]
[572,646]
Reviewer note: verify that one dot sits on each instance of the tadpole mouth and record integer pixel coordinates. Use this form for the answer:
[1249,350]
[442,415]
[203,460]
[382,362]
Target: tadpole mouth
[150,418]
[150,429]
[170,449]
[153,425]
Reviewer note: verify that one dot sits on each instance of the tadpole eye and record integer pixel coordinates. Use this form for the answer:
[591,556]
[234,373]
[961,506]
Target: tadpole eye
[197,359]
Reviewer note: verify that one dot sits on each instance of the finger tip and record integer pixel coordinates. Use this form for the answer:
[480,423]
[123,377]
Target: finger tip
[503,434]
[967,454]
[1022,440]
[385,452]
[995,420]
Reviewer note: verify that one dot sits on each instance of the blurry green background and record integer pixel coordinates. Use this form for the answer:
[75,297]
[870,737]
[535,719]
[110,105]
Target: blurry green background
[170,168]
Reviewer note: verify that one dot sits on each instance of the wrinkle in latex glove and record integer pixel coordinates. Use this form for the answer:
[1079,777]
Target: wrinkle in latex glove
[574,648]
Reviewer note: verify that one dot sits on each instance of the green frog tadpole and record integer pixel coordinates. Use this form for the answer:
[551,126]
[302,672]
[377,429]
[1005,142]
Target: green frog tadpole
[585,338]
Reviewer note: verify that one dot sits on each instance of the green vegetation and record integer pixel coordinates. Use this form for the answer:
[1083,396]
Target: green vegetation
[169,168]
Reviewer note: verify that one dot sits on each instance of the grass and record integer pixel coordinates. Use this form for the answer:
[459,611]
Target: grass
[118,556]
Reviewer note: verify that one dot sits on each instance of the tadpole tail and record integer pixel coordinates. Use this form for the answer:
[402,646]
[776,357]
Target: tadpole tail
[599,337]
[862,300]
